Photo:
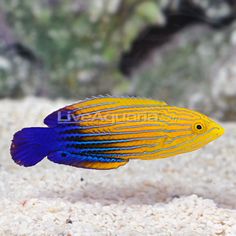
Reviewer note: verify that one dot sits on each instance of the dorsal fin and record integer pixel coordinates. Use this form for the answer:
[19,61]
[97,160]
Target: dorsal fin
[99,103]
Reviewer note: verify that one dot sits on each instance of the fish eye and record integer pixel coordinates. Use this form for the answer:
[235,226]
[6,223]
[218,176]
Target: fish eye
[199,127]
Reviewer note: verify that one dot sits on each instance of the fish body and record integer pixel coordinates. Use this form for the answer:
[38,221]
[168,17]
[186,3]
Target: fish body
[106,132]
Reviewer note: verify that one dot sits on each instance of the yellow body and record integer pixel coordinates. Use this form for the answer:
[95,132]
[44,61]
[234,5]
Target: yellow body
[140,128]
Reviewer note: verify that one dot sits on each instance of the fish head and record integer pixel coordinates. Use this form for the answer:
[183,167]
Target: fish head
[189,131]
[206,130]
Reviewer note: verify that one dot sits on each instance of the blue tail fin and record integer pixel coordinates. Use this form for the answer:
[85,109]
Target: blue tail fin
[31,145]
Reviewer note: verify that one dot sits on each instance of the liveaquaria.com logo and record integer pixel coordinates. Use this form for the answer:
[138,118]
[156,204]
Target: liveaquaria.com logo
[99,117]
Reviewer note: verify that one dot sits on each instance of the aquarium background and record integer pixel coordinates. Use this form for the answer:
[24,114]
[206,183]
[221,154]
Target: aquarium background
[180,51]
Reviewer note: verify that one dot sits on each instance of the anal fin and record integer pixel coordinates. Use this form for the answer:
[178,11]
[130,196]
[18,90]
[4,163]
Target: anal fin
[101,165]
[84,161]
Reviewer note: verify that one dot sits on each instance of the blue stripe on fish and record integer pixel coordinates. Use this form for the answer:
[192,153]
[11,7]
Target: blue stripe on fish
[67,158]
[77,149]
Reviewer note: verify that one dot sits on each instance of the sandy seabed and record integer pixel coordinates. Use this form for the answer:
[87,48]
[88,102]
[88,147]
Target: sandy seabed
[189,195]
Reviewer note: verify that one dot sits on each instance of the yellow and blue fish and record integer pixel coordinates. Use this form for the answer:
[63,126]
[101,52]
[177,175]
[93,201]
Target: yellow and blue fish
[106,132]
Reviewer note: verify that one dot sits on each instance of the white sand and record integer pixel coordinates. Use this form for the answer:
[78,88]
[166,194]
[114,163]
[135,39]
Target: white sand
[189,195]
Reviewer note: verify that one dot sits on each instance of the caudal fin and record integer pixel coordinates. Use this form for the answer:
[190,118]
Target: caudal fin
[30,145]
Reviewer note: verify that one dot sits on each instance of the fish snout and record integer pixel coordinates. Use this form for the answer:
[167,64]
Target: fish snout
[218,130]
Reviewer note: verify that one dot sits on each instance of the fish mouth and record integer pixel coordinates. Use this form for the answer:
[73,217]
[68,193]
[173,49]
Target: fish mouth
[216,130]
[220,131]
[215,133]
